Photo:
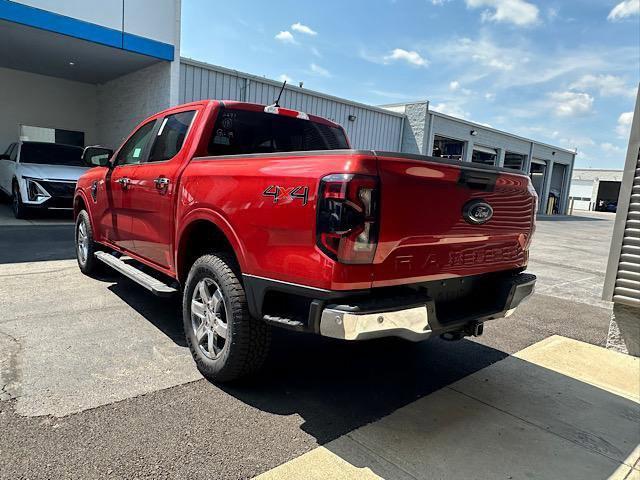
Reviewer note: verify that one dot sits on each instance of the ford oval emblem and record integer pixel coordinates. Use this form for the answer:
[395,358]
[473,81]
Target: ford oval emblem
[477,212]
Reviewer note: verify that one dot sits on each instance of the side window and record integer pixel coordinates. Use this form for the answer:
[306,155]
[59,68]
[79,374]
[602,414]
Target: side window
[12,152]
[171,134]
[132,151]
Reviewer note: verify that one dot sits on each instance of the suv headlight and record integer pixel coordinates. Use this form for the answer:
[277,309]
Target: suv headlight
[35,191]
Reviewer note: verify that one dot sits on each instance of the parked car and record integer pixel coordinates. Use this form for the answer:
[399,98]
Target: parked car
[39,175]
[262,217]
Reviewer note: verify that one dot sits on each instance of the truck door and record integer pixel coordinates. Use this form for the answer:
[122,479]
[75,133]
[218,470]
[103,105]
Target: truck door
[115,222]
[154,183]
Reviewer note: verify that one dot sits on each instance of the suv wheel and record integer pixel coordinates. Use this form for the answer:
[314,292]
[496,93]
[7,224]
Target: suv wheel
[85,246]
[19,210]
[225,341]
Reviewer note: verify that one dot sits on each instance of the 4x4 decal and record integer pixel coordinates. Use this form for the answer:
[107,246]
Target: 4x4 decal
[282,193]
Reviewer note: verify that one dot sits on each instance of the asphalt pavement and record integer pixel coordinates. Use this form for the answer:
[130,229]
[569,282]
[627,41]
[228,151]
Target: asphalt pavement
[97,381]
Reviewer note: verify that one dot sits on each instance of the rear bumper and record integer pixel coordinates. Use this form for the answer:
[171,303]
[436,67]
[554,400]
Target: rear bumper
[413,322]
[413,312]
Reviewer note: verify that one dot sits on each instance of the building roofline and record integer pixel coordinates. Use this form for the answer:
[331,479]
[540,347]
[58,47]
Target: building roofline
[502,132]
[275,83]
[598,170]
[403,104]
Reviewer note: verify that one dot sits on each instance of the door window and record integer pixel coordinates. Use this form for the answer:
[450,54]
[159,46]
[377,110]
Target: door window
[11,152]
[13,155]
[132,151]
[171,134]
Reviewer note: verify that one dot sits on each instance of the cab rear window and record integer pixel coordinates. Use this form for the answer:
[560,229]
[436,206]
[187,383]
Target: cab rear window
[244,132]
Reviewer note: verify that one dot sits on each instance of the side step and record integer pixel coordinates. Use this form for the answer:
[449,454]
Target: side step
[154,285]
[287,323]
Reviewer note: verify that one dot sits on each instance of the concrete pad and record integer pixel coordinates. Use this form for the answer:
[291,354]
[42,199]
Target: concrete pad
[608,370]
[82,342]
[319,464]
[585,415]
[569,256]
[513,419]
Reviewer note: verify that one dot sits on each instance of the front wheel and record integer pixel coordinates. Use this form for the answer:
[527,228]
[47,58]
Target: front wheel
[225,341]
[19,210]
[86,246]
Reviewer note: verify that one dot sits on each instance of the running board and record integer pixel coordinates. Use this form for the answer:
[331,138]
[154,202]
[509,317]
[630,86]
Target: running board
[154,285]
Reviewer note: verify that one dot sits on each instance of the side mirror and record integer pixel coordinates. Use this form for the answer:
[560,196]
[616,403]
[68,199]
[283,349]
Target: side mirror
[4,156]
[96,156]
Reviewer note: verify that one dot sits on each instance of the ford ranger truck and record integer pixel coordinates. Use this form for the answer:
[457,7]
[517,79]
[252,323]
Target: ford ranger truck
[262,216]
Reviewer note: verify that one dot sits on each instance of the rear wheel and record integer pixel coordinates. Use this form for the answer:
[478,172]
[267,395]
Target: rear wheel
[225,341]
[19,210]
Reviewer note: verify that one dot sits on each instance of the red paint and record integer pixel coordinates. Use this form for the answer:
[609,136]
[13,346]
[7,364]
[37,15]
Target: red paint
[422,235]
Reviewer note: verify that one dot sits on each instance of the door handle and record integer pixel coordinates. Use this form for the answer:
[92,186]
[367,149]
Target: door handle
[162,183]
[124,182]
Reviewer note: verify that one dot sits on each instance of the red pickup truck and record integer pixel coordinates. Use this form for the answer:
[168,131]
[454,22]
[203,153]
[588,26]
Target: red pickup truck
[263,216]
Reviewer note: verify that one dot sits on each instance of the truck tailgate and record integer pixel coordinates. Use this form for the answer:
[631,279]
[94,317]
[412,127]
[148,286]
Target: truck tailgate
[424,234]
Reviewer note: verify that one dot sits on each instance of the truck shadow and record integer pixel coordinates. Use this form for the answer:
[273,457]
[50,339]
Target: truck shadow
[337,386]
[162,313]
[334,386]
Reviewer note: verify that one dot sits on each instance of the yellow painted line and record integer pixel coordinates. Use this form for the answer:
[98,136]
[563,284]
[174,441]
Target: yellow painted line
[611,371]
[319,464]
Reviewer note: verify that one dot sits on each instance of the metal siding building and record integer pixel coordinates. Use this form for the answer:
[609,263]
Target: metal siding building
[552,177]
[622,282]
[373,128]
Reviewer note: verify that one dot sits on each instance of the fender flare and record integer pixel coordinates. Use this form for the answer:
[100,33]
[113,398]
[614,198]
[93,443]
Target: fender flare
[81,194]
[220,222]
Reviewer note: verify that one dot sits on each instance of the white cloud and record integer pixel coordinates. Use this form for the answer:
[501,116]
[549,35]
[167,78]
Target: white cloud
[412,57]
[300,28]
[623,129]
[316,52]
[390,95]
[455,87]
[450,109]
[611,148]
[318,70]
[284,77]
[571,104]
[624,9]
[285,37]
[606,85]
[518,12]
[490,96]
[484,52]
[439,2]
[521,63]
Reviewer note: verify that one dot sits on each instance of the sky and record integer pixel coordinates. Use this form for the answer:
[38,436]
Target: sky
[561,72]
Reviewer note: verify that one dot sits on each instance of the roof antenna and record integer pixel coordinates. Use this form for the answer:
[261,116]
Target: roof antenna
[277,102]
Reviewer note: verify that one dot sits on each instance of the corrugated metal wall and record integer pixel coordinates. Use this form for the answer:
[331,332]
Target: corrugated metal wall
[373,129]
[627,288]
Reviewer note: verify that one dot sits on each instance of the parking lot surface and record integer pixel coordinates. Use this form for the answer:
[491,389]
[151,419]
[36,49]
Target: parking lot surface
[97,381]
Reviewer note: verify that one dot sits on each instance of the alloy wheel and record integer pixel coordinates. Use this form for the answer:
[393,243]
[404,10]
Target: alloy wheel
[209,318]
[83,243]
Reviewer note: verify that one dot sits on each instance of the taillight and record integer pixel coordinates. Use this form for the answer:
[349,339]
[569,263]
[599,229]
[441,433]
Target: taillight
[534,194]
[347,223]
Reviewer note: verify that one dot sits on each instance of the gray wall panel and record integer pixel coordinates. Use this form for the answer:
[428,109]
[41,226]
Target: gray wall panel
[374,128]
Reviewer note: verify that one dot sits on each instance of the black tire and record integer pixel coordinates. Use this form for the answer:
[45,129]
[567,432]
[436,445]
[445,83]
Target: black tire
[88,263]
[19,210]
[247,341]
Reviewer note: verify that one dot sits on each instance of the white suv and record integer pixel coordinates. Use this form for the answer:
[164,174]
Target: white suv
[40,175]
